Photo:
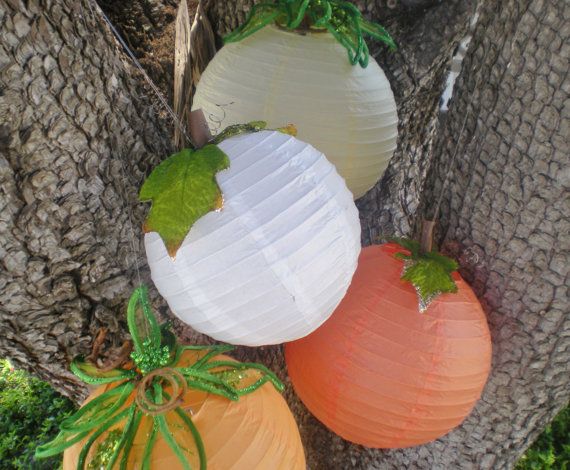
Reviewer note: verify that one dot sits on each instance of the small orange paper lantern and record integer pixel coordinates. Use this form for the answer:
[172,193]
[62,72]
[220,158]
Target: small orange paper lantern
[381,374]
[256,432]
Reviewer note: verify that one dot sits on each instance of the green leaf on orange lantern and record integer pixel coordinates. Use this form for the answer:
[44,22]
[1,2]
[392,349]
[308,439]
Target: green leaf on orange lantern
[183,189]
[429,272]
[412,246]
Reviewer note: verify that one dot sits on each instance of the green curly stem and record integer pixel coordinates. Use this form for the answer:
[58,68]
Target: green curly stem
[340,18]
[156,357]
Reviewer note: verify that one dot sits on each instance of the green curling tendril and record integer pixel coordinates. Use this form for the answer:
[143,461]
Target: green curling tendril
[156,356]
[341,18]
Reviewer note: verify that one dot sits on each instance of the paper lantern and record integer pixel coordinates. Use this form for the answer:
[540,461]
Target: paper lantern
[347,112]
[258,431]
[381,374]
[272,265]
[172,406]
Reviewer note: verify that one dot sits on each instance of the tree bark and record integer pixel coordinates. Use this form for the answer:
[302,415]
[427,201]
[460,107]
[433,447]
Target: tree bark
[77,136]
[505,217]
[78,133]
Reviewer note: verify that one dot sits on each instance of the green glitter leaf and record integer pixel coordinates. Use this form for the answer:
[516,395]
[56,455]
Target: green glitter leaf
[238,129]
[152,357]
[97,434]
[128,430]
[183,189]
[231,377]
[171,441]
[253,126]
[105,450]
[61,442]
[196,436]
[149,351]
[430,273]
[98,410]
[149,446]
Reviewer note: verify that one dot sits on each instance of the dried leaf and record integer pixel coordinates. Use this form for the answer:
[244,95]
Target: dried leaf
[182,71]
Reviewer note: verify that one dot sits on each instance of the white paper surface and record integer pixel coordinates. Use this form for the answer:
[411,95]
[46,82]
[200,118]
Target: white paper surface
[345,111]
[272,265]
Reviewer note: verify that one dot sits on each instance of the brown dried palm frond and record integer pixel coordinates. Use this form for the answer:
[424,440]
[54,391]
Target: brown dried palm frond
[195,46]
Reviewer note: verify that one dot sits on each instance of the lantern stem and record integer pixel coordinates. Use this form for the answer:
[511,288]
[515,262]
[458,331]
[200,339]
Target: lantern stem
[427,235]
[199,129]
[340,18]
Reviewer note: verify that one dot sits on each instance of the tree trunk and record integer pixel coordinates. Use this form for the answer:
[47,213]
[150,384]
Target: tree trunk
[505,217]
[78,133]
[77,136]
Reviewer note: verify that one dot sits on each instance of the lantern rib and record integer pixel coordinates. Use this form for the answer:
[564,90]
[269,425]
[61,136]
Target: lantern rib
[237,306]
[357,417]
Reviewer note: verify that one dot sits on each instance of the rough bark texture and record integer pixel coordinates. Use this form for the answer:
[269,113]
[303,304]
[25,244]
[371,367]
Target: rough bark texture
[505,216]
[78,133]
[77,137]
[148,28]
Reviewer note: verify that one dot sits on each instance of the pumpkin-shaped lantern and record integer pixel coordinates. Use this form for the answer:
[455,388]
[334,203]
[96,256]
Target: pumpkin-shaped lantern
[275,261]
[178,408]
[258,431]
[381,374]
[280,75]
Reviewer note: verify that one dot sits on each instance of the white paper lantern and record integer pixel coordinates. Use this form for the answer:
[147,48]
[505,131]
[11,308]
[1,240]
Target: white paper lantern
[347,112]
[273,264]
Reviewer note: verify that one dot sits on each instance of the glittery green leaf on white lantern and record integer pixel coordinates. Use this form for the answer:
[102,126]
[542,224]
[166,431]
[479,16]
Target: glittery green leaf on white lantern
[272,265]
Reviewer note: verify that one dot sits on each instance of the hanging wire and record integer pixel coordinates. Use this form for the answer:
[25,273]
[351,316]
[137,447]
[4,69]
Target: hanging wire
[177,122]
[132,237]
[130,214]
[451,165]
[218,121]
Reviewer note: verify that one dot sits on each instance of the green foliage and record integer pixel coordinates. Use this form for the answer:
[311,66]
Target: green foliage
[551,451]
[30,414]
[183,189]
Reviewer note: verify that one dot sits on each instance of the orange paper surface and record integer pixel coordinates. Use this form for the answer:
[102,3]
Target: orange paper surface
[256,432]
[381,374]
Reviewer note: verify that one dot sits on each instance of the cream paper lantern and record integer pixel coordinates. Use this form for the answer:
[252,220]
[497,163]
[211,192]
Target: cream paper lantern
[273,264]
[347,112]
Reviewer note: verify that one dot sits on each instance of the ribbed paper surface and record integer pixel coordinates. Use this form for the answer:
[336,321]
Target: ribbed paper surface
[256,432]
[345,111]
[273,264]
[381,374]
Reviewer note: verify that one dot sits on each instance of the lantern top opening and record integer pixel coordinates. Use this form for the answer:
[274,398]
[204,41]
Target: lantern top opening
[340,18]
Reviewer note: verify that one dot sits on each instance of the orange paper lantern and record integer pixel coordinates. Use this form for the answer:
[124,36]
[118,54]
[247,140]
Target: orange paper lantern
[381,374]
[256,432]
